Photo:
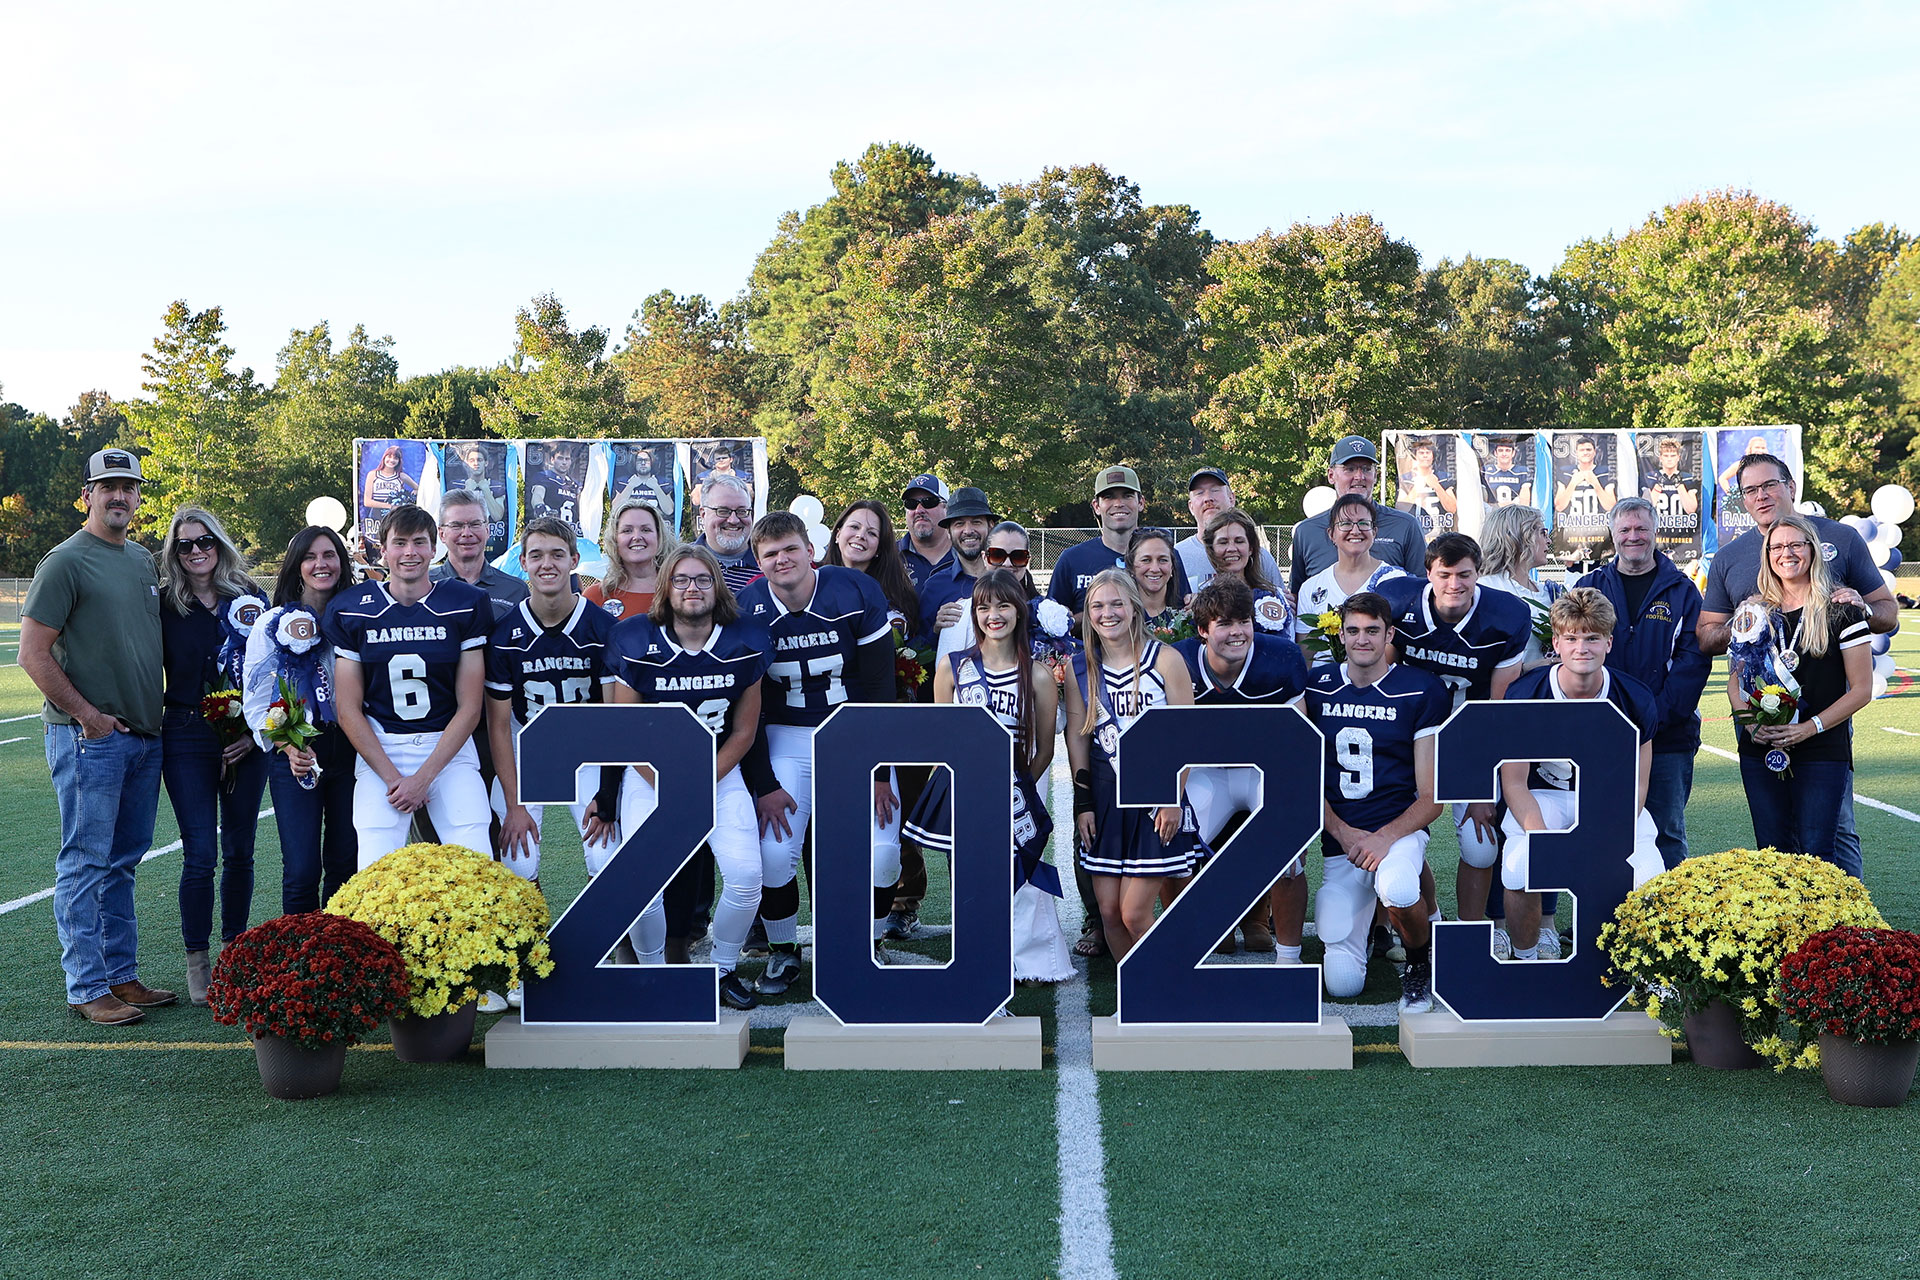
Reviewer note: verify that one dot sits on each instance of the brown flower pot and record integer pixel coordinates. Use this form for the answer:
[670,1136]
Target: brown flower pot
[440,1038]
[1868,1075]
[1713,1038]
[293,1071]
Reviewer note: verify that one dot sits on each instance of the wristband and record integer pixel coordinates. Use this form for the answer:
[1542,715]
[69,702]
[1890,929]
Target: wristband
[1819,725]
[1082,792]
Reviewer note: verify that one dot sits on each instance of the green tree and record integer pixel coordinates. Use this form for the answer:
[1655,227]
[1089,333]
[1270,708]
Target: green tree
[41,466]
[688,369]
[447,405]
[1858,266]
[559,383]
[322,400]
[1309,335]
[1717,313]
[1891,350]
[1501,360]
[197,429]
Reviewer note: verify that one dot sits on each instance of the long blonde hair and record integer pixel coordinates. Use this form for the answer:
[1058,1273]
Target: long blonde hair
[615,578]
[1136,636]
[1814,615]
[1505,539]
[229,569]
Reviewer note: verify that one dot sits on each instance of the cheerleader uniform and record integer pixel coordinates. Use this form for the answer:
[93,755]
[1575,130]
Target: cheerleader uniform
[1125,843]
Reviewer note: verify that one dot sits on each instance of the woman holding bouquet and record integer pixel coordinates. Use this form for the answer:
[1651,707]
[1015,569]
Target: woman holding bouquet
[1151,559]
[213,774]
[1798,667]
[1351,522]
[312,786]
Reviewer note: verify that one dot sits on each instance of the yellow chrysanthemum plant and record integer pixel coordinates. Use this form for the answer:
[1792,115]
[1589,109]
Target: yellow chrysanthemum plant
[1717,927]
[463,922]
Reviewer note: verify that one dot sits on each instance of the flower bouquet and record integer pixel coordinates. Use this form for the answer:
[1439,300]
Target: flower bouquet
[1325,637]
[1716,928]
[1848,992]
[1178,626]
[909,667]
[305,987]
[222,709]
[1768,705]
[463,922]
[289,724]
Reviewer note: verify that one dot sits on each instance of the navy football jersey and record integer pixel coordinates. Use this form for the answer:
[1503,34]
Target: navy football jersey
[1504,486]
[1620,689]
[812,651]
[1667,493]
[711,680]
[1493,634]
[409,655]
[538,666]
[558,496]
[1275,671]
[1370,734]
[1583,499]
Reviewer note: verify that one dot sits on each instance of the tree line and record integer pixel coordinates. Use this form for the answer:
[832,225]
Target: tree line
[1015,337]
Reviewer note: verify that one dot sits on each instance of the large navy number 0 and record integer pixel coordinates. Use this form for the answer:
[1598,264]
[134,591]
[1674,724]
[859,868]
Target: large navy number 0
[1589,862]
[583,987]
[1163,979]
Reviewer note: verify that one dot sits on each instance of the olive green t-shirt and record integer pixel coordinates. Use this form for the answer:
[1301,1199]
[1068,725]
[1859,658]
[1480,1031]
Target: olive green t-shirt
[105,603]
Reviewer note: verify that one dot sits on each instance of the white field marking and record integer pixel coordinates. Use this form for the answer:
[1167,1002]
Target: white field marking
[31,715]
[1905,733]
[44,894]
[7,742]
[1086,1235]
[1869,801]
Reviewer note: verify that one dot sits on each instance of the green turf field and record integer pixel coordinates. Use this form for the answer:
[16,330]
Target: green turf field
[155,1152]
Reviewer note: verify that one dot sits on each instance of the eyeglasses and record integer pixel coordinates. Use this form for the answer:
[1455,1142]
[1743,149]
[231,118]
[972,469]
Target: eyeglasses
[1000,555]
[691,582]
[730,515]
[1765,486]
[1778,547]
[463,526]
[923,504]
[206,542]
[1366,525]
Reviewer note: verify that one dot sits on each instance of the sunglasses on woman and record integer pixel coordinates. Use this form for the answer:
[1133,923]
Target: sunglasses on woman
[1000,555]
[206,542]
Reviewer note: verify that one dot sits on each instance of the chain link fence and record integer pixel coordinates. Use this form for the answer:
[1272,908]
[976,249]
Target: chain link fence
[1047,545]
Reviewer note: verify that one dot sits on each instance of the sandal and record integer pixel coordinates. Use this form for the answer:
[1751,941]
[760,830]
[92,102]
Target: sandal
[1092,945]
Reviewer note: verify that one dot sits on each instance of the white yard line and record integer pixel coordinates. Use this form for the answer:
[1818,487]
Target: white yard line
[1868,801]
[1086,1234]
[43,894]
[31,715]
[7,742]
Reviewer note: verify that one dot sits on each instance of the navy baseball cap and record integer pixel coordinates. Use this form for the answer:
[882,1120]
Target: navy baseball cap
[1347,448]
[929,482]
[1206,472]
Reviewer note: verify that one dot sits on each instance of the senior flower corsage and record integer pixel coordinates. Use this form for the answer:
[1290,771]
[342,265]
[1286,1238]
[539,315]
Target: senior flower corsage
[302,684]
[237,619]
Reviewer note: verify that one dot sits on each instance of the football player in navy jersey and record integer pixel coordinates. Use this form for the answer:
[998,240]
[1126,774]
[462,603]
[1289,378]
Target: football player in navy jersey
[690,648]
[1675,497]
[1474,640]
[1379,719]
[1586,494]
[829,641]
[1507,482]
[551,649]
[554,490]
[410,675]
[1543,795]
[1232,664]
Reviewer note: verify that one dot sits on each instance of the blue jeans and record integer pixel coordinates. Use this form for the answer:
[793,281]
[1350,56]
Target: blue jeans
[215,825]
[1799,814]
[1668,787]
[108,789]
[318,849]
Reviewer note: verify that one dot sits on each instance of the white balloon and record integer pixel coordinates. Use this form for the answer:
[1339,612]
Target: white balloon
[1883,663]
[1879,685]
[1881,551]
[1809,508]
[1893,504]
[1893,587]
[327,511]
[819,535]
[1317,499]
[808,508]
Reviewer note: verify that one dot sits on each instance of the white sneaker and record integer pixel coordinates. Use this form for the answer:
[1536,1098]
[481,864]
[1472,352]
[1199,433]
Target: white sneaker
[1502,944]
[492,1002]
[1549,943]
[516,997]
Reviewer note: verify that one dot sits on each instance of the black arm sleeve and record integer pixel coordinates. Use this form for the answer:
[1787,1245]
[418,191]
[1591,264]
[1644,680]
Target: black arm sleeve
[756,767]
[873,679]
[607,798]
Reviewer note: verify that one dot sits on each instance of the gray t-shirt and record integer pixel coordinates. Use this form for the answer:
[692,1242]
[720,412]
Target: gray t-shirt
[502,588]
[1735,572]
[1397,539]
[104,600]
[1193,558]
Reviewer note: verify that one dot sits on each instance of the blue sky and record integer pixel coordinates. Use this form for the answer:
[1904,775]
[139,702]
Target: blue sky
[425,169]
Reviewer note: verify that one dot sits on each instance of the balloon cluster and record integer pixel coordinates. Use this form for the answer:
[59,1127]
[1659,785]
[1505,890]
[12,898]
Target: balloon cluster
[808,508]
[1892,507]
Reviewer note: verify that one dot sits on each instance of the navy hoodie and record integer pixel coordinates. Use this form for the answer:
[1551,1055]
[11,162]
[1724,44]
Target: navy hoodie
[1660,648]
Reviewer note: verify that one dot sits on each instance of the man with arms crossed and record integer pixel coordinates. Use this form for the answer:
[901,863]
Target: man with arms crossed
[410,676]
[1766,485]
[90,642]
[1379,719]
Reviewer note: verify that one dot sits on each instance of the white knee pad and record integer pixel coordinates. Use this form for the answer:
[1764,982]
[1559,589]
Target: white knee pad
[1344,906]
[1397,879]
[1217,793]
[1344,969]
[1475,850]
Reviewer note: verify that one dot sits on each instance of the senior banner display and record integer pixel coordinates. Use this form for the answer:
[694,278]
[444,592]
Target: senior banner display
[1428,466]
[1729,445]
[1587,472]
[389,474]
[1509,470]
[1674,478]
[488,470]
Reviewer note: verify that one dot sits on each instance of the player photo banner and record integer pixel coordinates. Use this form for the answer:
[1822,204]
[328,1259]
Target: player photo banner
[1508,463]
[1588,471]
[565,479]
[1729,445]
[389,474]
[745,458]
[484,468]
[649,470]
[1428,470]
[1673,468]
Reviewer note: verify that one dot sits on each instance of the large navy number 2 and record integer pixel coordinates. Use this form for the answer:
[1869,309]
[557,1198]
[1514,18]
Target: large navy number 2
[1163,979]
[583,988]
